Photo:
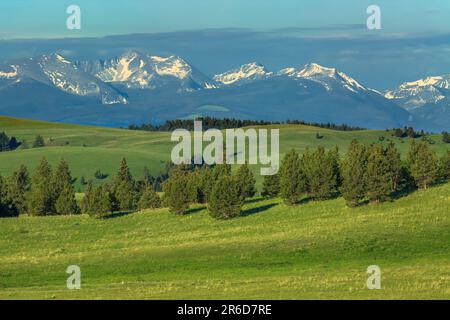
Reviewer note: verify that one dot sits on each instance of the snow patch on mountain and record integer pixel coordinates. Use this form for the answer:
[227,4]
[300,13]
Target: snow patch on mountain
[246,73]
[416,94]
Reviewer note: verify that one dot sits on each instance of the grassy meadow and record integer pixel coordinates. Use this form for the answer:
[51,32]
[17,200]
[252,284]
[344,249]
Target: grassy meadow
[315,250]
[88,149]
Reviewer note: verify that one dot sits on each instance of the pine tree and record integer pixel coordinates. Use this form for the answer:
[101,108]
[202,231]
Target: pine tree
[378,177]
[18,188]
[293,181]
[5,206]
[246,181]
[177,195]
[66,203]
[41,200]
[124,188]
[422,164]
[149,199]
[395,165]
[271,186]
[322,172]
[61,179]
[101,203]
[225,201]
[87,202]
[444,167]
[145,181]
[39,142]
[353,170]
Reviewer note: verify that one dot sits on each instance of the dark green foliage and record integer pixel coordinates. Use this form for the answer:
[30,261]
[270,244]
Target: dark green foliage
[149,199]
[422,164]
[378,177]
[395,165]
[219,170]
[87,202]
[100,175]
[18,188]
[293,181]
[177,195]
[123,188]
[246,181]
[146,180]
[42,199]
[271,186]
[353,170]
[322,172]
[444,167]
[226,199]
[5,206]
[227,123]
[39,142]
[66,203]
[446,137]
[83,181]
[101,204]
[61,178]
[7,143]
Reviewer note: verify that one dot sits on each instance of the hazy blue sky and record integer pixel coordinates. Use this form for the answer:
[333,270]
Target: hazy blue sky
[46,18]
[414,41]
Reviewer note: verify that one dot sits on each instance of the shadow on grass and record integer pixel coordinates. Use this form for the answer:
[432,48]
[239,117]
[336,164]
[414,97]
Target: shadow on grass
[251,211]
[118,214]
[254,200]
[194,210]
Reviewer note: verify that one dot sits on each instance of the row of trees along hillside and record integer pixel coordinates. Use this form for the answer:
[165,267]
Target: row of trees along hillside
[7,143]
[372,173]
[232,123]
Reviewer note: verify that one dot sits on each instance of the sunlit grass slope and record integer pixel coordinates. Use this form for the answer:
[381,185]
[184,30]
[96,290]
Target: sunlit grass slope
[314,250]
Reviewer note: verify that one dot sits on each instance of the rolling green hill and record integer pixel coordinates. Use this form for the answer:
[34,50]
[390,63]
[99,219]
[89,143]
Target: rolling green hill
[88,149]
[314,250]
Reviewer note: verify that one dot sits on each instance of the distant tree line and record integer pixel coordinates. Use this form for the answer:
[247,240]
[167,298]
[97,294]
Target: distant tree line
[7,143]
[373,173]
[445,137]
[231,123]
[407,132]
[366,173]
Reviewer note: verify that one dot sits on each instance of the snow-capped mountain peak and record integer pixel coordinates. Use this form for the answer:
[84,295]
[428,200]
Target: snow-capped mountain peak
[328,77]
[415,94]
[245,73]
[142,71]
[315,70]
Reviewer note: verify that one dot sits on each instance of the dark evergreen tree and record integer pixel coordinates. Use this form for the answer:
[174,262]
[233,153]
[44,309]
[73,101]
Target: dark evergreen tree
[271,186]
[123,189]
[246,181]
[395,165]
[39,142]
[322,172]
[445,137]
[61,179]
[293,180]
[444,168]
[422,164]
[101,202]
[146,180]
[378,177]
[353,170]
[87,202]
[18,189]
[149,199]
[226,200]
[66,203]
[5,205]
[42,201]
[177,195]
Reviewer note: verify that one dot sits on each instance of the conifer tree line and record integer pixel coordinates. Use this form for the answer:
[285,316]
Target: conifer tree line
[373,173]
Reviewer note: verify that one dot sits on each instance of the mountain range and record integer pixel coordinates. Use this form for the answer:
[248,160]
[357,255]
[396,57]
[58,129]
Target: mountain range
[141,88]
